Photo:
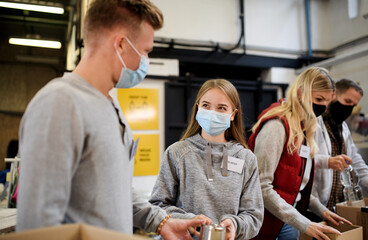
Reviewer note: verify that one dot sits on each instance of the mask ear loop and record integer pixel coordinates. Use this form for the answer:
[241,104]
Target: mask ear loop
[119,56]
[144,58]
[131,44]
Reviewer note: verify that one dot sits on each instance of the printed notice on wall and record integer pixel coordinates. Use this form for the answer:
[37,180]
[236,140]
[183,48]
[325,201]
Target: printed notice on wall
[146,161]
[140,107]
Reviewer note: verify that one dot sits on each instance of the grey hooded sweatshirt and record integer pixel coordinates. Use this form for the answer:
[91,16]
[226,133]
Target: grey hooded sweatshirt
[183,188]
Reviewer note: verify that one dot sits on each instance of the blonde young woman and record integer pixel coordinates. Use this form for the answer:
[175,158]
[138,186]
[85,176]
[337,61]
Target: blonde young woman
[283,141]
[197,177]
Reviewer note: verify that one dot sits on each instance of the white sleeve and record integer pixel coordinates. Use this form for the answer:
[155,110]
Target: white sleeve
[322,141]
[358,162]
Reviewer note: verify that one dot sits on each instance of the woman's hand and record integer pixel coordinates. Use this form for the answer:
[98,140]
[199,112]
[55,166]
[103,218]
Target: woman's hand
[334,218]
[318,230]
[230,229]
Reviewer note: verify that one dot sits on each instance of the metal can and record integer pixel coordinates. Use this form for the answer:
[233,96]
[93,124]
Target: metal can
[212,232]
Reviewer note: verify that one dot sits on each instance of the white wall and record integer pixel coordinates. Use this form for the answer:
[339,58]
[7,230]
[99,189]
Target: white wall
[343,29]
[357,70]
[279,75]
[347,30]
[203,20]
[269,24]
[320,24]
[276,24]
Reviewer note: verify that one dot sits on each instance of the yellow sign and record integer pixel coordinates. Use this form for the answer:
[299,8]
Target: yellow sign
[146,160]
[140,107]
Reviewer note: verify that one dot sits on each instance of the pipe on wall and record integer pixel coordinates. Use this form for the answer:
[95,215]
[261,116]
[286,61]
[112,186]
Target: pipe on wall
[335,60]
[307,17]
[214,46]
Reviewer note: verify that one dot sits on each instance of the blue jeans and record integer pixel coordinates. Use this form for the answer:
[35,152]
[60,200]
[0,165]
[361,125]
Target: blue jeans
[288,233]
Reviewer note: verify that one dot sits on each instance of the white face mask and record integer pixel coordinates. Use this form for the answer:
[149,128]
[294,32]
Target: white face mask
[129,78]
[212,122]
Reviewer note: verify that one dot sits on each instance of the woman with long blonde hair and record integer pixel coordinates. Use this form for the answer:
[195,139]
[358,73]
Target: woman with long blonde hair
[210,173]
[283,141]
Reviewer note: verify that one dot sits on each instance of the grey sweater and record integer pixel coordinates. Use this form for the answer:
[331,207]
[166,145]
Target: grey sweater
[75,162]
[183,190]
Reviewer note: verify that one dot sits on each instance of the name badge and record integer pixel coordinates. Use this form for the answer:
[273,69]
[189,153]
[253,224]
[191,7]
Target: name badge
[304,151]
[235,164]
[134,149]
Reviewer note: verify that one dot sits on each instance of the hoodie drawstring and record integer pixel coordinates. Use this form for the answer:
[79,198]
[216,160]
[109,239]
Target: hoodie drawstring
[224,161]
[209,163]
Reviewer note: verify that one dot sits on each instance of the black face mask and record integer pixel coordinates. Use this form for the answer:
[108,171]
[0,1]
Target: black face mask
[340,112]
[318,109]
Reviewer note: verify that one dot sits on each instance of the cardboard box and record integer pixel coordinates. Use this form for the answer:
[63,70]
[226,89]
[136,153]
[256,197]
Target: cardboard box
[351,213]
[354,215]
[365,222]
[69,232]
[349,232]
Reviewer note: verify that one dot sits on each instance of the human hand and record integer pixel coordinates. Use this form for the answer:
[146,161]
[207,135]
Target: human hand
[339,162]
[318,230]
[230,229]
[202,217]
[178,228]
[334,218]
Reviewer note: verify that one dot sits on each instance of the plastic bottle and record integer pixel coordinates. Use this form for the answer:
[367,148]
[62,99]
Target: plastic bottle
[352,191]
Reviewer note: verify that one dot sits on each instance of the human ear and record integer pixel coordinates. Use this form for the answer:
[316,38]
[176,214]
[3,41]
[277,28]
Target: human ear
[334,96]
[119,43]
[233,115]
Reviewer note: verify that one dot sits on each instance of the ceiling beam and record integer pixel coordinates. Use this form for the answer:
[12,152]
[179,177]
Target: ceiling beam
[221,58]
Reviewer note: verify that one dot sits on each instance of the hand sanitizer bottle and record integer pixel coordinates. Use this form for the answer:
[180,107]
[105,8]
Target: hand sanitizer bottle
[352,191]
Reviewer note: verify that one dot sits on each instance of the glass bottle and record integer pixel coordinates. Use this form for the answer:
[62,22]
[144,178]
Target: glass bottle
[352,191]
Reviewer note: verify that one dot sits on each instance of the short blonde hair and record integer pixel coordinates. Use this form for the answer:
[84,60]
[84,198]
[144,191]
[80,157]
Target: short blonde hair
[109,14]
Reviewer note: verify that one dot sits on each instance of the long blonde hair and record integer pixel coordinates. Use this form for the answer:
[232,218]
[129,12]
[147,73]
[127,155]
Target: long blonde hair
[298,108]
[236,130]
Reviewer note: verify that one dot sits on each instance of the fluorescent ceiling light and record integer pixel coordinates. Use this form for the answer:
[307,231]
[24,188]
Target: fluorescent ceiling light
[33,7]
[35,43]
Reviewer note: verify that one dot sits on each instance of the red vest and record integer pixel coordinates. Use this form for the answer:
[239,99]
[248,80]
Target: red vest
[287,180]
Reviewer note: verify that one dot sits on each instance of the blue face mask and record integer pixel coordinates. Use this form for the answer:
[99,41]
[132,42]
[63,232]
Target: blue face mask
[212,122]
[129,78]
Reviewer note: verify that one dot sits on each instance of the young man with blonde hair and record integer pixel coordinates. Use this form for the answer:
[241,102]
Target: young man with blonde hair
[76,147]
